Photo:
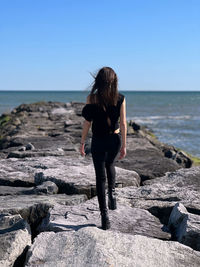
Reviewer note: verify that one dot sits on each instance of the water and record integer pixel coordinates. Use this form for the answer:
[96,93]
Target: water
[174,117]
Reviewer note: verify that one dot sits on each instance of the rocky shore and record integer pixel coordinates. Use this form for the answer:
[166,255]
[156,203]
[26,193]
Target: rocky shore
[49,211]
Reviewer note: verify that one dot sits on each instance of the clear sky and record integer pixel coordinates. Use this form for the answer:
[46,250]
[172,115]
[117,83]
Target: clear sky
[54,44]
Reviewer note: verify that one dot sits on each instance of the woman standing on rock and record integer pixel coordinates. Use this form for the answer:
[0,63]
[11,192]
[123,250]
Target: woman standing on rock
[104,107]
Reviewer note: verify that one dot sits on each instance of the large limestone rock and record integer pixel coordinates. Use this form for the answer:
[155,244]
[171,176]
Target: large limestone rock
[15,237]
[160,195]
[184,178]
[78,178]
[124,219]
[91,246]
[146,159]
[15,173]
[72,175]
[35,207]
[186,226]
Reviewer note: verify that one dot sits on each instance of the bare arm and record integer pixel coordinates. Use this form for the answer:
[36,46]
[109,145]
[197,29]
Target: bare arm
[123,129]
[86,127]
[85,130]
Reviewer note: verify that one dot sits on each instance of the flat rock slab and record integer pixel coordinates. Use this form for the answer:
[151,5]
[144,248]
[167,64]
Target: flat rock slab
[15,237]
[14,172]
[10,190]
[89,247]
[77,178]
[184,178]
[73,175]
[45,188]
[35,207]
[124,219]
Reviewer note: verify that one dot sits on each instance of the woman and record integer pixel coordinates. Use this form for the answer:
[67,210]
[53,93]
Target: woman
[104,107]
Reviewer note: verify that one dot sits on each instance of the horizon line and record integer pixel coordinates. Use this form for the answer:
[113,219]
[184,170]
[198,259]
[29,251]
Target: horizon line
[89,91]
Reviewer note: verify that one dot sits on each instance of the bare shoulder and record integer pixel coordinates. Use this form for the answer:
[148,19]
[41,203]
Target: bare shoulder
[88,99]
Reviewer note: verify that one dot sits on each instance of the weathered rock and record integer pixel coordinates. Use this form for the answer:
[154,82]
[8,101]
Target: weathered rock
[15,173]
[35,207]
[46,188]
[80,178]
[15,237]
[184,178]
[73,175]
[125,219]
[147,160]
[94,247]
[30,146]
[10,190]
[185,226]
[161,194]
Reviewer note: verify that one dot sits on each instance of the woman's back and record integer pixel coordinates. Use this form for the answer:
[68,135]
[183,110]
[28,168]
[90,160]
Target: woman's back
[105,119]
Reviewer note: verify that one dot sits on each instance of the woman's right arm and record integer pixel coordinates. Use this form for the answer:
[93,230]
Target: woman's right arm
[123,129]
[85,130]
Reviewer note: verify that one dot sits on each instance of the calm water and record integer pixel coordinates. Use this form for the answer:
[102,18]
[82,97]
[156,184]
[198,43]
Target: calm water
[174,117]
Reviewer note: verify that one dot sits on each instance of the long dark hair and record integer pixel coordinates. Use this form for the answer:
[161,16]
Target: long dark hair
[104,91]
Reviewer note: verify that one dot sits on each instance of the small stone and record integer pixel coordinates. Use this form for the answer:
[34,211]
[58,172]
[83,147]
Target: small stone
[47,188]
[29,146]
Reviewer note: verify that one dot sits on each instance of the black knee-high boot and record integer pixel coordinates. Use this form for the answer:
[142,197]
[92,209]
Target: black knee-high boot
[112,202]
[105,222]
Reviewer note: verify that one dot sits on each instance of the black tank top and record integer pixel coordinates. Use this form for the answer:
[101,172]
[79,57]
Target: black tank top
[103,122]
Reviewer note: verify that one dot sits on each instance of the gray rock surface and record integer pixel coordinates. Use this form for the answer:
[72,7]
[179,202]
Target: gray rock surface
[146,159]
[73,175]
[45,188]
[14,172]
[94,247]
[15,237]
[124,219]
[76,177]
[161,194]
[186,226]
[34,207]
[183,178]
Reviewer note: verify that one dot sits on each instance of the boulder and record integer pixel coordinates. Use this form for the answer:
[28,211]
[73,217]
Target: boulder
[72,175]
[15,238]
[185,226]
[46,188]
[75,177]
[91,246]
[146,159]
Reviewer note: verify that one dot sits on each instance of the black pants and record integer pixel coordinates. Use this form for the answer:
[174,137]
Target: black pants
[104,152]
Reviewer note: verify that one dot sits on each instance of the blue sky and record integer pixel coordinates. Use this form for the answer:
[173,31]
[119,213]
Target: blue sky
[53,45]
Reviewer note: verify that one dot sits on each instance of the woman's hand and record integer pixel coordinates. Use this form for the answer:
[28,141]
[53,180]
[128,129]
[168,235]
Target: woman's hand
[82,150]
[122,152]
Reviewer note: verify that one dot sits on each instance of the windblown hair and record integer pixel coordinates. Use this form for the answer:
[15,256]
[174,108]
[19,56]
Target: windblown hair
[104,91]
